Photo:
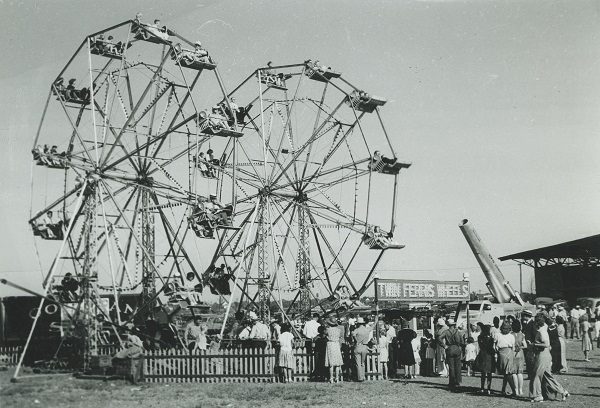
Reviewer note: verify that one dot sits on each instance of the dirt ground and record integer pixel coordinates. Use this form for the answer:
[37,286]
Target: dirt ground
[582,381]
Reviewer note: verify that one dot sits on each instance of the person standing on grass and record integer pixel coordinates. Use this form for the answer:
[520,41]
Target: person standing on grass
[519,360]
[429,344]
[575,315]
[383,353]
[529,330]
[543,386]
[441,368]
[333,352]
[406,354]
[470,355]
[562,337]
[485,359]
[286,359]
[454,340]
[586,341]
[361,341]
[505,345]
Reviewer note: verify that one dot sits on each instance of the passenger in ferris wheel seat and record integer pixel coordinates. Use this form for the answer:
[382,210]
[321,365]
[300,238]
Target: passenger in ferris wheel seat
[70,286]
[201,163]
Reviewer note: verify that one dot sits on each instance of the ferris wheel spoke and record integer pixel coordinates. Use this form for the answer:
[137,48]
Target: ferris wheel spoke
[106,157]
[301,248]
[141,245]
[112,131]
[317,118]
[307,143]
[172,237]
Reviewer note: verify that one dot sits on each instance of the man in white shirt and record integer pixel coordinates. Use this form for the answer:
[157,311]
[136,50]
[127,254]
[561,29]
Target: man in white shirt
[311,327]
[575,315]
[259,334]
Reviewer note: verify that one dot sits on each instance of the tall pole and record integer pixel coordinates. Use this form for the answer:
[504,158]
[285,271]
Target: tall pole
[521,278]
[147,241]
[375,282]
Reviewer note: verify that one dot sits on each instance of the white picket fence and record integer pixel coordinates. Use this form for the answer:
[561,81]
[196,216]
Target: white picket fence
[230,365]
[9,356]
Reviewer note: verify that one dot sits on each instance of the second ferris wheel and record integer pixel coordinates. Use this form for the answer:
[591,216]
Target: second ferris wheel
[307,192]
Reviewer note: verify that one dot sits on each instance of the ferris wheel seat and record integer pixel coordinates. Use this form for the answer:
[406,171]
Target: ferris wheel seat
[275,81]
[363,102]
[394,169]
[227,227]
[223,132]
[153,35]
[322,75]
[199,65]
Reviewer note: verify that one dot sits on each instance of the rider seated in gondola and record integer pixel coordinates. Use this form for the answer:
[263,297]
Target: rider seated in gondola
[151,30]
[221,214]
[376,238]
[47,228]
[379,158]
[70,288]
[198,54]
[70,93]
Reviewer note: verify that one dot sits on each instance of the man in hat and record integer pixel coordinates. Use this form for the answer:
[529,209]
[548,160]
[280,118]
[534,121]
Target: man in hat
[529,332]
[361,340]
[575,315]
[454,340]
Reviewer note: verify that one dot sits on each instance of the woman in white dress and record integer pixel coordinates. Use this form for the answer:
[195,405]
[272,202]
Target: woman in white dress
[286,362]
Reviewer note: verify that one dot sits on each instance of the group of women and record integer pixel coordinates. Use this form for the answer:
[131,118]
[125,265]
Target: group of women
[510,344]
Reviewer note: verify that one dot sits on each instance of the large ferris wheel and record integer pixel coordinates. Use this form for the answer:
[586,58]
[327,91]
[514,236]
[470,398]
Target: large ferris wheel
[147,165]
[315,180]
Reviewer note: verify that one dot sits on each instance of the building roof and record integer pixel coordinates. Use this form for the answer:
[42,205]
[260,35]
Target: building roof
[579,249]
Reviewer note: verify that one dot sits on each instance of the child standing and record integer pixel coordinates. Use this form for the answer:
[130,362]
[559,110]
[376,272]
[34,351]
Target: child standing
[286,356]
[470,355]
[383,351]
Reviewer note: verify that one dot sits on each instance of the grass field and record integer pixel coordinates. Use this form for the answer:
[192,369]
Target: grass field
[582,381]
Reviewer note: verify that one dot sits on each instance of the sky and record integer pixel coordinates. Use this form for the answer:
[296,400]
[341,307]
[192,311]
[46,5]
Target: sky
[495,104]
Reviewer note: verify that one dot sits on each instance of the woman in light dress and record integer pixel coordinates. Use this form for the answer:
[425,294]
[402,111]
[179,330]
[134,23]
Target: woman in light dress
[543,385]
[333,352]
[286,362]
[586,340]
[384,353]
[505,345]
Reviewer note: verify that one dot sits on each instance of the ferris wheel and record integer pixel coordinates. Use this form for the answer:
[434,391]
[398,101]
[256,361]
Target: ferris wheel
[115,177]
[311,192]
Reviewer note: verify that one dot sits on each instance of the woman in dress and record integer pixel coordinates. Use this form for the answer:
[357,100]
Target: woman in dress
[383,352]
[406,354]
[555,349]
[505,344]
[441,368]
[333,352]
[519,359]
[428,344]
[586,340]
[485,359]
[543,386]
[287,361]
[560,322]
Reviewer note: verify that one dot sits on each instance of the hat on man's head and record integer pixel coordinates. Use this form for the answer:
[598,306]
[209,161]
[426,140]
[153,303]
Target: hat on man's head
[451,322]
[526,313]
[197,43]
[577,307]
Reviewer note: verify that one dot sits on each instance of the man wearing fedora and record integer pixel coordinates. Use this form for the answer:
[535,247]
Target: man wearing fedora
[361,340]
[454,339]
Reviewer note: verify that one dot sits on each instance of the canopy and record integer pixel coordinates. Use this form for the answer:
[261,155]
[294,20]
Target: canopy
[580,248]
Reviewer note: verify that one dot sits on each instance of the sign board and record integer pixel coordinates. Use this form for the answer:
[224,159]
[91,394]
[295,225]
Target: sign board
[422,290]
